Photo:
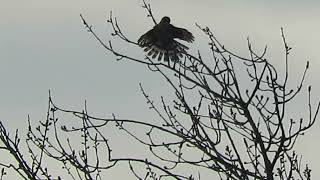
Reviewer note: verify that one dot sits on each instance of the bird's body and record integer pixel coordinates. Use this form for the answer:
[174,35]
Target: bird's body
[160,42]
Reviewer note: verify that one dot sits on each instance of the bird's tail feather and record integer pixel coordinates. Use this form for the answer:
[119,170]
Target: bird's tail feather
[173,53]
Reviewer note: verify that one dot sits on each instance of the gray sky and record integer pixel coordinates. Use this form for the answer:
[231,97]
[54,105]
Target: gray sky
[45,46]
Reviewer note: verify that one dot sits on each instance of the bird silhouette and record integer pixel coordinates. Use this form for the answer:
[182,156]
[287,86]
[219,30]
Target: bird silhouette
[160,41]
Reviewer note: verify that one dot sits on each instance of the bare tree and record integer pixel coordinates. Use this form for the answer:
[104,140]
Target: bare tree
[229,117]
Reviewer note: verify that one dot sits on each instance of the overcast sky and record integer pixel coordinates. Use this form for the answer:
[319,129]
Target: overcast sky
[44,46]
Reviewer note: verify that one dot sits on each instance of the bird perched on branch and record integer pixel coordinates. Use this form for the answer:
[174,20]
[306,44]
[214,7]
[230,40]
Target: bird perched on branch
[160,41]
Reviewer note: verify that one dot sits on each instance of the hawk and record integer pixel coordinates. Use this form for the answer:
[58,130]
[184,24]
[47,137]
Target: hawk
[160,41]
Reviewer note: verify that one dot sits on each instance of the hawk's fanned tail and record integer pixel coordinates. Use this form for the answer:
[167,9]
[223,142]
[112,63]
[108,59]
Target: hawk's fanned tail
[173,53]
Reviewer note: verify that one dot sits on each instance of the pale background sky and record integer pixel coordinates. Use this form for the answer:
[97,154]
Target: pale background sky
[43,45]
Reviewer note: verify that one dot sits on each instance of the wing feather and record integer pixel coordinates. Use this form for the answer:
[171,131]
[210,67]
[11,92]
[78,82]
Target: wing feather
[182,34]
[146,39]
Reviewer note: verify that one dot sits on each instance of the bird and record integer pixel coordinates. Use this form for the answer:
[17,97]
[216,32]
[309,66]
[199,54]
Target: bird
[160,41]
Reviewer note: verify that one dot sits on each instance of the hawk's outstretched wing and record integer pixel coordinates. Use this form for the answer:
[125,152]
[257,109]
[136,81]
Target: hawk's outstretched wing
[147,39]
[182,34]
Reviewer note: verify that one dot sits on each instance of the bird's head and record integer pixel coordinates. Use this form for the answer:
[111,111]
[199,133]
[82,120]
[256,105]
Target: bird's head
[165,20]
